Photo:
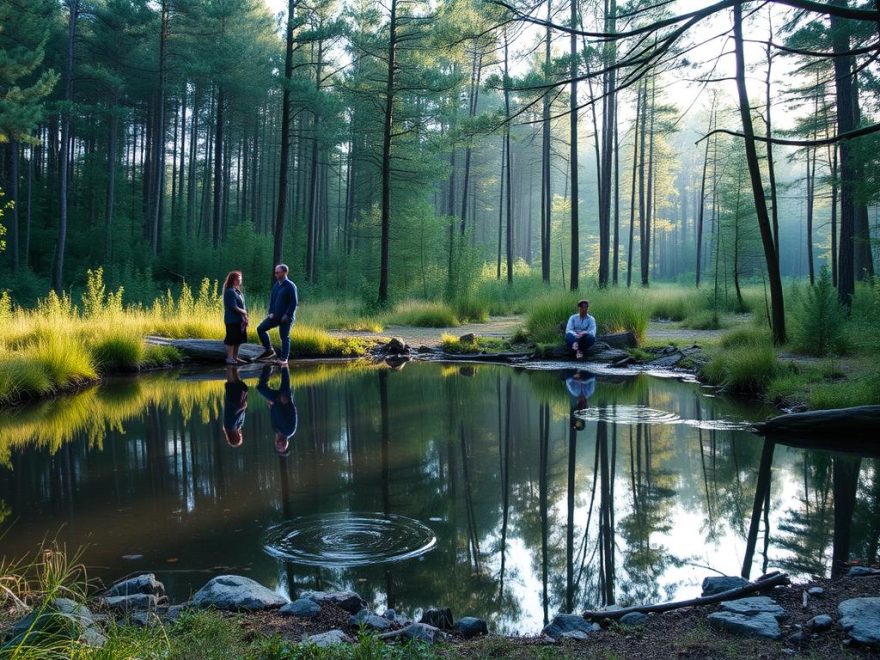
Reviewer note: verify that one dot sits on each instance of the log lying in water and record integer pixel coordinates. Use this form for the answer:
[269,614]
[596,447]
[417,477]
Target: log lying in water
[762,583]
[844,423]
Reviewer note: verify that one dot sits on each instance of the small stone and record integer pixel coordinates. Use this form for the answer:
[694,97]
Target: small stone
[820,623]
[471,626]
[815,591]
[134,601]
[758,625]
[862,571]
[634,619]
[141,584]
[390,614]
[439,617]
[301,607]
[754,605]
[397,346]
[469,338]
[564,623]
[347,600]
[423,350]
[234,592]
[860,618]
[329,638]
[172,614]
[369,620]
[717,584]
[415,631]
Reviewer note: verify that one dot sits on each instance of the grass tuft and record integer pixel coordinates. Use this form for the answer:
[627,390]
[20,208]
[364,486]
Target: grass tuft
[423,314]
[743,369]
[118,352]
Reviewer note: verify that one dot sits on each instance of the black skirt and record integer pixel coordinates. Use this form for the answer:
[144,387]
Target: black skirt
[236,334]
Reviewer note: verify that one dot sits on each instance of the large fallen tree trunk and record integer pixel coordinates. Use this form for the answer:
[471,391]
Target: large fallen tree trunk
[762,583]
[844,423]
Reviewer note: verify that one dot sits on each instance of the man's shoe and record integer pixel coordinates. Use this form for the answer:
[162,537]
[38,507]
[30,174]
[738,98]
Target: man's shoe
[281,363]
[268,354]
[578,356]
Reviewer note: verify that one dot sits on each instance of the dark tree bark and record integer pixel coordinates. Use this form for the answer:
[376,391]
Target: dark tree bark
[386,156]
[546,191]
[218,168]
[509,164]
[473,97]
[609,114]
[281,210]
[110,196]
[573,154]
[702,203]
[636,155]
[58,274]
[314,203]
[13,149]
[770,256]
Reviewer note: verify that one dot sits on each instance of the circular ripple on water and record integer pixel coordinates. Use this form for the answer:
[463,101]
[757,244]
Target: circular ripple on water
[628,415]
[349,539]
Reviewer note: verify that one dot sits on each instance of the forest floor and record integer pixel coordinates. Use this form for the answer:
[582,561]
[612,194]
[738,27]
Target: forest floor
[681,633]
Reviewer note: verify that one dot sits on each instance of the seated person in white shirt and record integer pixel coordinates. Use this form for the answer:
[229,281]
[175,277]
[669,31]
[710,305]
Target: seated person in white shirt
[580,331]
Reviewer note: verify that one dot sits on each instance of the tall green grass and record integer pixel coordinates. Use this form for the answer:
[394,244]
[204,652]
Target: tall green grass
[423,314]
[746,362]
[614,310]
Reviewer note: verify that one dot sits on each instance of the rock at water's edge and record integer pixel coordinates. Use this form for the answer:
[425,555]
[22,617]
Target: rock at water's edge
[717,584]
[471,626]
[329,638]
[860,618]
[347,600]
[439,617]
[234,592]
[301,607]
[141,584]
[758,625]
[567,623]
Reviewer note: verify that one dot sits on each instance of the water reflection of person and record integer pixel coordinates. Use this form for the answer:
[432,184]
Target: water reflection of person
[580,385]
[282,409]
[234,406]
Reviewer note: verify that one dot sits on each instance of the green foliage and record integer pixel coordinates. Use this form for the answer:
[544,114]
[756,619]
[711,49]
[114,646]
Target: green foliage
[746,337]
[451,344]
[96,301]
[615,310]
[855,391]
[818,320]
[704,320]
[743,369]
[118,352]
[422,314]
[863,330]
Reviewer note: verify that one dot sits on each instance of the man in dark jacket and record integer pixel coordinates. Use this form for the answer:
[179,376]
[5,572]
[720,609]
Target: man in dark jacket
[282,409]
[282,313]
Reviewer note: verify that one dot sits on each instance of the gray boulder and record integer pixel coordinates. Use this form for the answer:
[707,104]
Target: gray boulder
[369,620]
[634,619]
[134,601]
[141,584]
[471,626]
[234,592]
[60,619]
[862,571]
[717,584]
[815,591]
[394,617]
[301,607]
[329,638]
[758,625]
[415,631]
[754,605]
[562,624]
[347,600]
[860,618]
[439,617]
[820,623]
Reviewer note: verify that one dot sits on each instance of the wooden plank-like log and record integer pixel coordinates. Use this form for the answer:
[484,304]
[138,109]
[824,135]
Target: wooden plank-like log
[859,421]
[768,582]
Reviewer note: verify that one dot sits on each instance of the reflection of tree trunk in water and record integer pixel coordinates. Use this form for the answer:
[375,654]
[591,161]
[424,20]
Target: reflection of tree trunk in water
[846,481]
[762,494]
[699,416]
[505,485]
[287,513]
[766,533]
[874,530]
[589,518]
[473,539]
[386,470]
[606,513]
[544,442]
[569,532]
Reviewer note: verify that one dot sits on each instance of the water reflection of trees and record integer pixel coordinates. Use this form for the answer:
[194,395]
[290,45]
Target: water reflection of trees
[531,516]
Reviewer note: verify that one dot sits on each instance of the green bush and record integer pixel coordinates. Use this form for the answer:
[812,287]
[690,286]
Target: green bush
[423,314]
[471,310]
[118,352]
[818,320]
[744,369]
[746,337]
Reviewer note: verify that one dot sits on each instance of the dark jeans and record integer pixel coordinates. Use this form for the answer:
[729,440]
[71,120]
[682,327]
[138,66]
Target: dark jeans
[283,331]
[584,341]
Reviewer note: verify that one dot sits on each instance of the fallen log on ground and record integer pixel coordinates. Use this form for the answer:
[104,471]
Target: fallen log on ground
[848,422]
[765,582]
[206,350]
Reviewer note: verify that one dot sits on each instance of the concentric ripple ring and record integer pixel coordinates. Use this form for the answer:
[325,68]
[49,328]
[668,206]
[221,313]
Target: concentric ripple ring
[349,539]
[628,415]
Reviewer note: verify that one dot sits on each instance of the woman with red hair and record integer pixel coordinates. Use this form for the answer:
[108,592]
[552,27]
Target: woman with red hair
[234,316]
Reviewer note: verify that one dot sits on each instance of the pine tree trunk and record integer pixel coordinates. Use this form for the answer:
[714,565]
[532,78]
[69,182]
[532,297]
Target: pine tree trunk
[385,217]
[110,197]
[702,202]
[573,155]
[281,209]
[218,168]
[546,190]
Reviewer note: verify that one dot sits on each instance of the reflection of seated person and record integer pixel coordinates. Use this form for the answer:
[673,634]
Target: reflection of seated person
[580,385]
[234,405]
[282,409]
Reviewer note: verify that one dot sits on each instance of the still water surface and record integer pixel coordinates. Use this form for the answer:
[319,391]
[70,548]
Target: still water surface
[502,493]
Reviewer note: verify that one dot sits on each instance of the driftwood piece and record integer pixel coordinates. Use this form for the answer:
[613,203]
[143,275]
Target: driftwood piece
[841,422]
[766,582]
[206,350]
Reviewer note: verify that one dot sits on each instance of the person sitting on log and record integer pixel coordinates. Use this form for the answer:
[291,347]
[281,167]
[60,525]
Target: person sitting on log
[580,331]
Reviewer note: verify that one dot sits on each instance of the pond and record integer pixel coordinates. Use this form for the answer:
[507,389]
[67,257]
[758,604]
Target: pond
[504,493]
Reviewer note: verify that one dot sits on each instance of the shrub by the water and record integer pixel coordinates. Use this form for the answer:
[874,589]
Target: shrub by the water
[423,314]
[118,352]
[744,369]
[818,321]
